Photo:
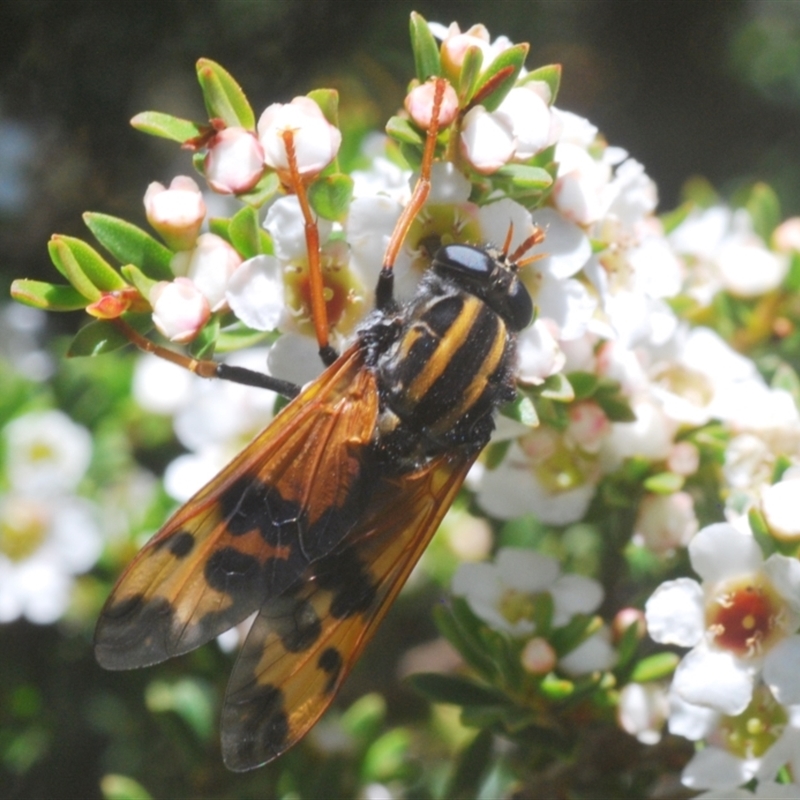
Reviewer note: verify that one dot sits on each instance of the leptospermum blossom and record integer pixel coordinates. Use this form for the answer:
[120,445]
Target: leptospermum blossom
[741,621]
[487,139]
[234,162]
[780,508]
[176,213]
[180,310]
[316,141]
[209,265]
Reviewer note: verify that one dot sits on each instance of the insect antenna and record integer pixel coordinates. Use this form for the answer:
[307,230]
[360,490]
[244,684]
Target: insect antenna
[537,237]
[384,292]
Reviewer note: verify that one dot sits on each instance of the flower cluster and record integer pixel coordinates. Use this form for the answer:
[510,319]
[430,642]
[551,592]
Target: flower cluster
[644,412]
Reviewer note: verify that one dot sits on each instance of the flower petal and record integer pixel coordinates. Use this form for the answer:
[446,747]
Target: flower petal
[716,679]
[675,613]
[720,551]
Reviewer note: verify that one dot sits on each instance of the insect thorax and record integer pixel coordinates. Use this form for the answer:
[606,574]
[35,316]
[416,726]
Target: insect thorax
[442,371]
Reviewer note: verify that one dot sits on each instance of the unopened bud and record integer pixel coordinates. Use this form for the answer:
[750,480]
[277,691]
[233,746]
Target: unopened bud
[176,213]
[235,161]
[179,309]
[419,104]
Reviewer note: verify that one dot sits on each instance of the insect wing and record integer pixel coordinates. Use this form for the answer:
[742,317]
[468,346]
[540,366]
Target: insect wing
[303,643]
[285,501]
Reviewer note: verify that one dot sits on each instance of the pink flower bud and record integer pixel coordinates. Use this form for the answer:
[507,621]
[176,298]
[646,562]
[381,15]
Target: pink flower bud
[538,656]
[419,104]
[179,309]
[623,620]
[316,141]
[487,140]
[235,161]
[683,458]
[210,264]
[176,213]
[588,426]
[455,46]
[786,237]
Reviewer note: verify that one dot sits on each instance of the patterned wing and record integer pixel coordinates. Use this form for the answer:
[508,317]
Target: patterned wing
[285,501]
[304,642]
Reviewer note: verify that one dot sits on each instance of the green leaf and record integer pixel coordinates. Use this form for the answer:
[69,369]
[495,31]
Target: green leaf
[471,766]
[550,74]
[387,757]
[264,190]
[189,698]
[403,131]
[240,337]
[655,667]
[49,296]
[454,689]
[365,717]
[470,72]
[220,226]
[672,219]
[203,346]
[224,97]
[615,405]
[558,388]
[328,102]
[427,62]
[584,384]
[472,650]
[101,336]
[138,279]
[628,644]
[664,483]
[102,275]
[330,196]
[121,787]
[168,127]
[524,178]
[499,77]
[494,453]
[764,209]
[566,638]
[243,231]
[131,245]
[65,262]
[521,410]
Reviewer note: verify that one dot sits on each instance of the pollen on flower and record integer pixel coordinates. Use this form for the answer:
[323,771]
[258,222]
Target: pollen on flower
[23,528]
[744,617]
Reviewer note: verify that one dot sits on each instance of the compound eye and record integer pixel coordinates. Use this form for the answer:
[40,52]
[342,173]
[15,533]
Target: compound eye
[465,261]
[519,307]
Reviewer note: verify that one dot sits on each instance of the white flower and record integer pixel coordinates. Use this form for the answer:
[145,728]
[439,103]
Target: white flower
[530,120]
[780,507]
[504,593]
[160,386]
[234,162]
[47,453]
[487,139]
[642,711]
[44,542]
[180,310]
[255,293]
[286,225]
[316,141]
[740,622]
[665,522]
[594,654]
[176,213]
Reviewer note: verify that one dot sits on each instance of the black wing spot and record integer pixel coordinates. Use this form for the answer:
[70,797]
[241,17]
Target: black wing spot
[234,573]
[330,662]
[344,575]
[294,621]
[255,726]
[180,544]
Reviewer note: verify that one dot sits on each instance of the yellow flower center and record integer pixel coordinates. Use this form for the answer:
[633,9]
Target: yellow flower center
[22,530]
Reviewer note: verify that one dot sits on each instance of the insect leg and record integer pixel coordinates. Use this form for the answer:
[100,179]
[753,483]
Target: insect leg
[384,291]
[206,368]
[319,312]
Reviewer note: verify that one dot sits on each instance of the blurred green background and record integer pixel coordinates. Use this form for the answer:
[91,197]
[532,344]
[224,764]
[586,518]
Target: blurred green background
[687,88]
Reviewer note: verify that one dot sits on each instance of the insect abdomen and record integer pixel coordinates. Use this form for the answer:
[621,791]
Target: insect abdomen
[449,369]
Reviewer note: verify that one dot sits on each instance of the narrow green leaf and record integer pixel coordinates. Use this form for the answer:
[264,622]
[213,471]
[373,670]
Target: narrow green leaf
[138,279]
[471,766]
[243,232]
[426,51]
[220,226]
[495,452]
[94,266]
[168,127]
[472,652]
[764,209]
[131,245]
[550,75]
[453,689]
[664,483]
[328,101]
[523,177]
[558,388]
[655,667]
[470,72]
[330,196]
[223,96]
[583,384]
[364,718]
[264,190]
[403,131]
[387,757]
[62,256]
[48,296]
[628,645]
[671,219]
[521,410]
[203,346]
[96,338]
[499,77]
